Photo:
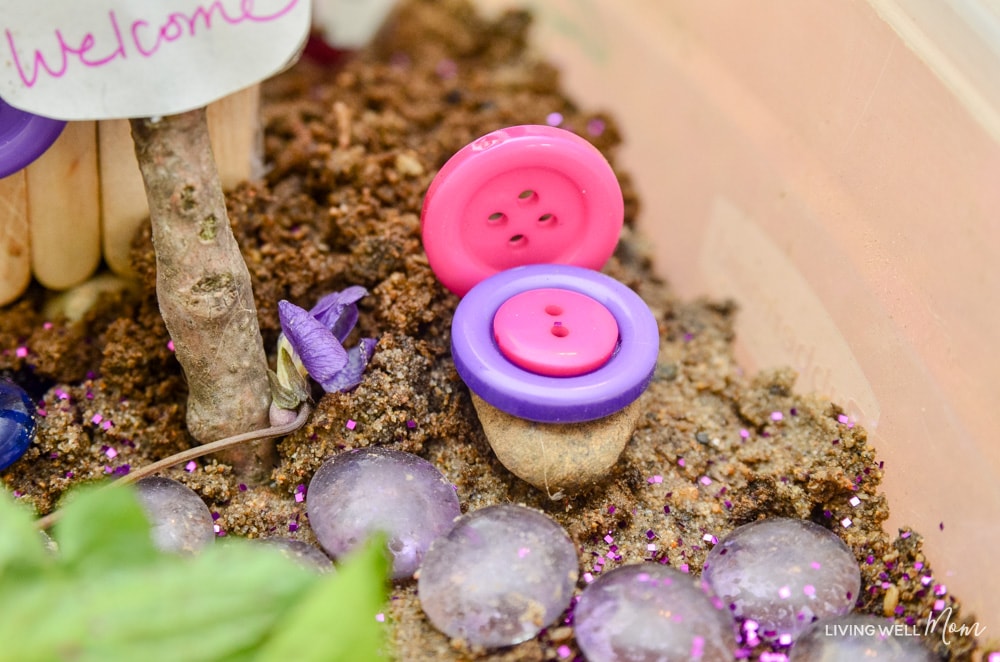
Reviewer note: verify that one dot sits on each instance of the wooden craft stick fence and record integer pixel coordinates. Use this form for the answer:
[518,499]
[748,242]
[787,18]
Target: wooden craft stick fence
[83,199]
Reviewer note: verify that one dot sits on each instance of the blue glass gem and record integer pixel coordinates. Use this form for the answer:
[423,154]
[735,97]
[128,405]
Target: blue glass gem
[17,422]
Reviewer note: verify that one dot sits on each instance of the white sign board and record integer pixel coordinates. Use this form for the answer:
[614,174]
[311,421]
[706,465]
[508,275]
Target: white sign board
[105,59]
[350,24]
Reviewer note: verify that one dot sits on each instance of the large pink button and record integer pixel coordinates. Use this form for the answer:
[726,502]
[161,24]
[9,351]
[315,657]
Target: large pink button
[555,332]
[520,195]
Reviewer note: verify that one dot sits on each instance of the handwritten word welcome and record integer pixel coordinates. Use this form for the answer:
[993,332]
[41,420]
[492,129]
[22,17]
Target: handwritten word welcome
[137,38]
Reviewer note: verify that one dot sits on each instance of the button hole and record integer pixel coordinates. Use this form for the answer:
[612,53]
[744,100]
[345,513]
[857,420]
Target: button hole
[559,331]
[547,219]
[497,218]
[517,241]
[553,310]
[527,197]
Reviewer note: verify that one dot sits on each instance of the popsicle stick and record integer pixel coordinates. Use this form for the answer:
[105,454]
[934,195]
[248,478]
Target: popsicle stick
[123,196]
[234,130]
[64,209]
[15,255]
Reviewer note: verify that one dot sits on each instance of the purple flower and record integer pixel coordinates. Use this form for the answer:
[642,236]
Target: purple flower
[316,339]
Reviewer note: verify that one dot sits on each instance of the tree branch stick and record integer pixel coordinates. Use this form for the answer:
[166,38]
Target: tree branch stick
[203,286]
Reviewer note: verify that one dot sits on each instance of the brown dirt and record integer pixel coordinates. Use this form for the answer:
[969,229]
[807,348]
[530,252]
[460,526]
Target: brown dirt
[351,152]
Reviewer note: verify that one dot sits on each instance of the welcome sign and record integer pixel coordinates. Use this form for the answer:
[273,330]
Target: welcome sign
[106,59]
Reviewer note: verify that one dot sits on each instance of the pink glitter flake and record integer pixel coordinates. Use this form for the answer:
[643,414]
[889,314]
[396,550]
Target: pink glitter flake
[684,567]
[190,466]
[708,537]
[587,577]
[653,480]
[299,497]
[564,652]
[170,345]
[107,425]
[940,589]
[111,453]
[293,527]
[651,547]
[21,352]
[608,539]
[680,462]
[939,605]
[380,617]
[846,522]
[595,127]
[523,552]
[705,480]
[351,424]
[47,325]
[854,501]
[744,433]
[809,590]
[777,416]
[784,592]
[96,420]
[554,119]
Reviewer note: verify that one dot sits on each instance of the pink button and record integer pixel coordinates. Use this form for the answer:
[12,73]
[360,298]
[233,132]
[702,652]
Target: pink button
[520,195]
[555,332]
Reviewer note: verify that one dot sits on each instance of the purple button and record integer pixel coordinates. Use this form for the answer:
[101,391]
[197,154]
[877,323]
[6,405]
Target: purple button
[24,137]
[552,399]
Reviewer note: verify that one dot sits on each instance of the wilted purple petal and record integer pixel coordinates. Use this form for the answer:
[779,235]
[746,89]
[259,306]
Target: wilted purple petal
[337,311]
[350,375]
[322,355]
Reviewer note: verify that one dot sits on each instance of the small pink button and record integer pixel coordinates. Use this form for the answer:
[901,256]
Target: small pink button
[555,332]
[521,195]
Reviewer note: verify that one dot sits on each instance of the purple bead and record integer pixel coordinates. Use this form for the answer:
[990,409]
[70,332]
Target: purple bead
[180,520]
[783,574]
[860,637]
[536,397]
[499,576]
[648,612]
[17,422]
[357,493]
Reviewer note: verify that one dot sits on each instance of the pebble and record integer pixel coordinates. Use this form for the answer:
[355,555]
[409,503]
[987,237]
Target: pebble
[559,458]
[358,493]
[652,612]
[499,576]
[783,574]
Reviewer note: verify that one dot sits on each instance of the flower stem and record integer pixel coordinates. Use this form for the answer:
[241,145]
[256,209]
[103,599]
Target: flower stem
[235,441]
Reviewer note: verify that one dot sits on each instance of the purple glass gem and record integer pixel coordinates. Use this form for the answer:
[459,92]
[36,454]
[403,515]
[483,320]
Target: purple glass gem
[783,574]
[306,555]
[535,397]
[499,576]
[860,637]
[17,422]
[358,493]
[24,137]
[648,611]
[181,522]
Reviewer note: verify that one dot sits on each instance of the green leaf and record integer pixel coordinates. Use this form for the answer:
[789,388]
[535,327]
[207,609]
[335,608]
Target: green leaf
[21,544]
[219,605]
[335,622]
[104,527]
